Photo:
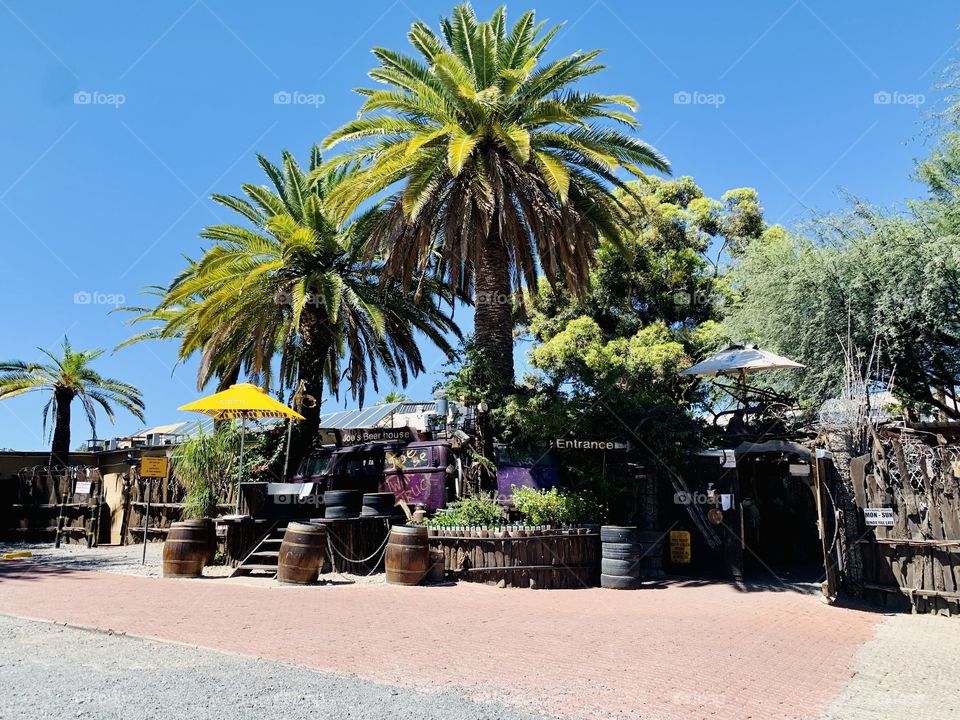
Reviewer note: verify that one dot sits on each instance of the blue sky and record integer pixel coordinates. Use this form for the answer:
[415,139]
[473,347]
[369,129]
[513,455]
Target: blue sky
[103,192]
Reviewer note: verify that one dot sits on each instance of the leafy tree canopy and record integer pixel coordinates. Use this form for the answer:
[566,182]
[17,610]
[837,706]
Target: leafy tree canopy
[870,275]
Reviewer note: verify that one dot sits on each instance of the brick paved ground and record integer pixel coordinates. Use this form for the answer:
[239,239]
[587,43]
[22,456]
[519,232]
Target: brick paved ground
[687,650]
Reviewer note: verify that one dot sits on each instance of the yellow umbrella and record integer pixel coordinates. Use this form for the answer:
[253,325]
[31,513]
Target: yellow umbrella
[242,401]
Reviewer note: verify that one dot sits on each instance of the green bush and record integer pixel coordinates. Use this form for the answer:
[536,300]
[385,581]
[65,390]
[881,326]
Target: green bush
[482,510]
[555,507]
[200,502]
[204,464]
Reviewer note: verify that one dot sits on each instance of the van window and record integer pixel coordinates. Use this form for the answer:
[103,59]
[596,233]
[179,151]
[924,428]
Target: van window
[316,465]
[523,457]
[407,459]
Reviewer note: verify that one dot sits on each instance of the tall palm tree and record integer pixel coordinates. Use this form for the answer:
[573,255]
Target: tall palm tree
[504,168]
[292,285]
[172,321]
[66,377]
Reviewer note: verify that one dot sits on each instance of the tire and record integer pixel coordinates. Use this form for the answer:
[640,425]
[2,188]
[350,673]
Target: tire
[620,551]
[618,582]
[378,503]
[342,497]
[339,512]
[620,568]
[379,498]
[618,534]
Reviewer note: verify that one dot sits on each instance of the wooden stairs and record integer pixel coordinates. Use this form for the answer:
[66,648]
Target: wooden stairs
[264,557]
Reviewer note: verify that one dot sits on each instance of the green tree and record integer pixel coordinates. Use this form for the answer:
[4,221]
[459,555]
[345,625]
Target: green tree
[873,276]
[66,377]
[506,170]
[653,300]
[291,293]
[607,364]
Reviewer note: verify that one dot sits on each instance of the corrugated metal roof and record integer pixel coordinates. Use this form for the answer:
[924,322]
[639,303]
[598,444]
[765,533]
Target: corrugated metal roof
[407,407]
[362,418]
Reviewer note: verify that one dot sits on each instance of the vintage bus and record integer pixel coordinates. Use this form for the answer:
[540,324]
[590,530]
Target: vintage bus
[420,472]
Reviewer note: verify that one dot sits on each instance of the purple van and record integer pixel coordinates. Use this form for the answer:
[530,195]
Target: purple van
[315,467]
[527,467]
[415,472]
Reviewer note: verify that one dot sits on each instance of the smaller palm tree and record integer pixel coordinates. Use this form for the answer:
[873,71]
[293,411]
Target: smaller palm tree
[67,377]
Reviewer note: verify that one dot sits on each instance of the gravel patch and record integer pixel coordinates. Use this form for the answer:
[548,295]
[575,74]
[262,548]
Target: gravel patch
[52,671]
[908,670]
[126,560]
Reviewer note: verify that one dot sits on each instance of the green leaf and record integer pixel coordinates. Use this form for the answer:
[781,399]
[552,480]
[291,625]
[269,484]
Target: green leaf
[459,148]
[554,172]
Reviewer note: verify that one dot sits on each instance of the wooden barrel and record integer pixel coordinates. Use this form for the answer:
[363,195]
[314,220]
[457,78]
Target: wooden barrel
[301,553]
[208,526]
[187,548]
[437,568]
[407,559]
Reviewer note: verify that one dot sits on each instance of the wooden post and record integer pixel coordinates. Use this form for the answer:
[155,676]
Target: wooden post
[146,521]
[820,474]
[61,519]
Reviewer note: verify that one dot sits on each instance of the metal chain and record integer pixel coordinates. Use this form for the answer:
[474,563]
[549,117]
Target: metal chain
[343,557]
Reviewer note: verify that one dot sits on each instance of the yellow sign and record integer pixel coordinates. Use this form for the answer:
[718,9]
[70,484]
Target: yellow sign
[680,546]
[154,467]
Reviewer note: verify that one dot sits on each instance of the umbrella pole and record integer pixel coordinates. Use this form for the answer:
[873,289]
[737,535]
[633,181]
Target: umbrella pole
[286,459]
[243,433]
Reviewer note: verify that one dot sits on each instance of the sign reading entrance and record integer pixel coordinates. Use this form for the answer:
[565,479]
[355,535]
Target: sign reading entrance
[581,444]
[878,517]
[680,547]
[153,467]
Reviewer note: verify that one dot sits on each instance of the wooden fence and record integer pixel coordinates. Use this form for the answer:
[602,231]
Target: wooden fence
[545,559]
[913,564]
[44,504]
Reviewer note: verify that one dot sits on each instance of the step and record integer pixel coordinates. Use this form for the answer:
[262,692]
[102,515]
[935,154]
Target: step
[265,568]
[265,553]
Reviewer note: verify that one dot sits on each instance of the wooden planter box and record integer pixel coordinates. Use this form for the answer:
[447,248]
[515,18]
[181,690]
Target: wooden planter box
[551,560]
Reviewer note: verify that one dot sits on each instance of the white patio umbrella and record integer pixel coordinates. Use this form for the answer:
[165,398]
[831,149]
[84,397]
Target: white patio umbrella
[738,360]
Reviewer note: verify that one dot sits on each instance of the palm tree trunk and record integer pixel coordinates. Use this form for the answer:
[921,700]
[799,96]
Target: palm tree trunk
[316,341]
[60,450]
[493,313]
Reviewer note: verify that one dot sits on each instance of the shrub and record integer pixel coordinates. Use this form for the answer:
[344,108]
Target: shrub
[555,507]
[201,502]
[478,510]
[204,465]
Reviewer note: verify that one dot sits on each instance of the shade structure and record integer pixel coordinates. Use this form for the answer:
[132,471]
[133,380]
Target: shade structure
[741,359]
[241,402]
